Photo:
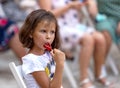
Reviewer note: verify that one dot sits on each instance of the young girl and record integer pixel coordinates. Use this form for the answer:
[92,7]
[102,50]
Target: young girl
[39,70]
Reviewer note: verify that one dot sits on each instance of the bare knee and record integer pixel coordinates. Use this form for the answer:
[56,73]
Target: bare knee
[87,40]
[99,39]
[107,36]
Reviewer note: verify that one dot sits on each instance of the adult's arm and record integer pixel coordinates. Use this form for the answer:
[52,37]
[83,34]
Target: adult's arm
[47,4]
[92,8]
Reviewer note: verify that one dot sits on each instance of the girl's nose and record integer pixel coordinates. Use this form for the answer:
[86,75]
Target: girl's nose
[48,35]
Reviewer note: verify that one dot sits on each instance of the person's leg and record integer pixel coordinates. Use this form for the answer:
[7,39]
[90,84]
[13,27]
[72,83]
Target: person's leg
[107,28]
[10,39]
[99,58]
[108,40]
[16,46]
[99,52]
[87,46]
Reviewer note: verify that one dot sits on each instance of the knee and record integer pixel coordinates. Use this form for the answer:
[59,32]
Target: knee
[107,36]
[87,40]
[100,39]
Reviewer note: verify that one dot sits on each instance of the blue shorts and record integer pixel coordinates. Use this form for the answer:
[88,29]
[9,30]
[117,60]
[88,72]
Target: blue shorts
[7,30]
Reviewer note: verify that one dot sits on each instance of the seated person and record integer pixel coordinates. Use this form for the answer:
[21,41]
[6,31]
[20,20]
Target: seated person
[107,19]
[9,37]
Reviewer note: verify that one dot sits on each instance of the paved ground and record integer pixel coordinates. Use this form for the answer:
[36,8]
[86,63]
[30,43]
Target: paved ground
[7,80]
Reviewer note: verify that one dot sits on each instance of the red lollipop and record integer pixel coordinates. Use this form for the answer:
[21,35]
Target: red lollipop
[47,46]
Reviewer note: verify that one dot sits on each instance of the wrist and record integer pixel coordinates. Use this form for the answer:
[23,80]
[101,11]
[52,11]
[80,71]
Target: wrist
[60,65]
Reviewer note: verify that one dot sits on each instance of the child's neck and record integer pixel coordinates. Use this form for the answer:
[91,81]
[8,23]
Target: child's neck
[36,52]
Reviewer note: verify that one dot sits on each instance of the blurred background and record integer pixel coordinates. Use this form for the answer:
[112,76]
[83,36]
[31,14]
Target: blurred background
[18,10]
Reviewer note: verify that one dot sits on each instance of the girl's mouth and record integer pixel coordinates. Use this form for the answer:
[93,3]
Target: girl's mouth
[47,46]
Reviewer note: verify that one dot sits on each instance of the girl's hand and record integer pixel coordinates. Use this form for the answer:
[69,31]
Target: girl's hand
[58,56]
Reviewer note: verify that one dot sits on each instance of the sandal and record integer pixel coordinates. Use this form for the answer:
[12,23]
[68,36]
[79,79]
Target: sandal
[85,81]
[102,79]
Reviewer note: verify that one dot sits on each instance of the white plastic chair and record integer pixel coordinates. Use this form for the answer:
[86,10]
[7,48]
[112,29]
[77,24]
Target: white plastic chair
[17,73]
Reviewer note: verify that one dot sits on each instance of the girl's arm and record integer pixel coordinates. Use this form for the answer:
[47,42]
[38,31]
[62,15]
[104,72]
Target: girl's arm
[47,4]
[41,77]
[59,58]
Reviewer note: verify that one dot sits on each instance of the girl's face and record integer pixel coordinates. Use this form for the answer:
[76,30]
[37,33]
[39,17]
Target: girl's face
[43,33]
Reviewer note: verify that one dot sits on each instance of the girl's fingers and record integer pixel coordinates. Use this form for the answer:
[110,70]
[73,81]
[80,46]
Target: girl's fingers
[51,52]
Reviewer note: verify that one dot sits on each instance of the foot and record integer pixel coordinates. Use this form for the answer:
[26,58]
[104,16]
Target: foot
[105,82]
[86,84]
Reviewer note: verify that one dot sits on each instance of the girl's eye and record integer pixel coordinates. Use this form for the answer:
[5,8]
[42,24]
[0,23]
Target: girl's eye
[52,32]
[43,31]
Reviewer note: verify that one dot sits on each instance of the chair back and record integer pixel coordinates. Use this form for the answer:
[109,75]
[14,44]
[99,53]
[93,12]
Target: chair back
[17,73]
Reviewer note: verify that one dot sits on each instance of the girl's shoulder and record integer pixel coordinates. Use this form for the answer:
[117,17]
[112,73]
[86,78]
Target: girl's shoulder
[31,56]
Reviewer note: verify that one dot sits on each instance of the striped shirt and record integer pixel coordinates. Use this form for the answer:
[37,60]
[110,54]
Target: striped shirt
[109,7]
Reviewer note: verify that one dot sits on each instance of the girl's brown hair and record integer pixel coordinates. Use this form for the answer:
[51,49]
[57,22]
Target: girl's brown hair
[31,23]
